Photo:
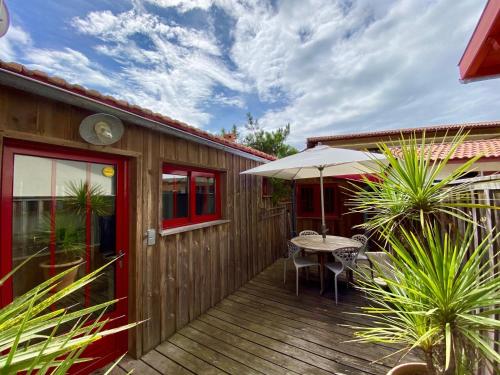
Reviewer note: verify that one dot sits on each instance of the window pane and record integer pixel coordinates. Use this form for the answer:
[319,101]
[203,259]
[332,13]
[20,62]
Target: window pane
[329,200]
[53,201]
[307,199]
[205,195]
[175,194]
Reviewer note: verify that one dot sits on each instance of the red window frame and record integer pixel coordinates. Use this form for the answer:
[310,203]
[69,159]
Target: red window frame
[317,200]
[192,217]
[267,187]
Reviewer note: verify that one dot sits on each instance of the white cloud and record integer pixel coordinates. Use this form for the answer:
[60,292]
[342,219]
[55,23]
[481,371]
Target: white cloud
[183,5]
[372,65]
[173,71]
[70,64]
[13,42]
[325,66]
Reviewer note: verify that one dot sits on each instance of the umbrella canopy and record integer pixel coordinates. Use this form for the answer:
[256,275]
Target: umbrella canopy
[319,161]
[305,164]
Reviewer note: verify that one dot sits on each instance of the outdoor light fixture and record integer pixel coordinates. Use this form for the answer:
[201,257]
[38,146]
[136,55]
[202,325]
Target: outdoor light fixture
[101,129]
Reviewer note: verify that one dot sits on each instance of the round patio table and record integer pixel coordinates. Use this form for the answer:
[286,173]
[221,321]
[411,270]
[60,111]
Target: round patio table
[323,247]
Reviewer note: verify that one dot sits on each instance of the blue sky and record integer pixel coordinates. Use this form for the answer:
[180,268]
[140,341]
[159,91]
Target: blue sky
[324,66]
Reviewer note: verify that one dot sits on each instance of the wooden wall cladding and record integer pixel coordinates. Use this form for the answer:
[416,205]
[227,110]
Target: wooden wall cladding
[184,274]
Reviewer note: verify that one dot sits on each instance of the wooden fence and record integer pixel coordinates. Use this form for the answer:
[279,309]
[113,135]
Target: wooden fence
[486,190]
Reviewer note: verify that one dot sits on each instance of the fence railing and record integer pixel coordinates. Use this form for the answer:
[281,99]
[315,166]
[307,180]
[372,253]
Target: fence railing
[485,191]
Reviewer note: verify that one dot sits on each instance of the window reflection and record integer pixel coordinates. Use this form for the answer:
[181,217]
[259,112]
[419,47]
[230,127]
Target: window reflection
[205,195]
[175,194]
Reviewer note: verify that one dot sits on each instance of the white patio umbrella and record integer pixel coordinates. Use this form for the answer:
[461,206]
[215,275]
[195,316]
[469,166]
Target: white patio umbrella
[320,161]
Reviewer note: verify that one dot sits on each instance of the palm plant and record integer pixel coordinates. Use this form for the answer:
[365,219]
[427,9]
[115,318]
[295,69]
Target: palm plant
[409,191]
[33,332]
[442,291]
[440,300]
[82,195]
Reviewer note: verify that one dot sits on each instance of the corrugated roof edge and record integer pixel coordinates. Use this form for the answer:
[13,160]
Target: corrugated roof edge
[60,83]
[311,141]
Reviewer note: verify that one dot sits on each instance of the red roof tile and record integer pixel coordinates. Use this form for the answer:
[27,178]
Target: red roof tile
[489,148]
[312,141]
[60,83]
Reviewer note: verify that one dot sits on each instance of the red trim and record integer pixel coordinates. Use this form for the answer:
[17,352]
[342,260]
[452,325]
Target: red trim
[53,209]
[316,200]
[108,348]
[481,57]
[88,232]
[194,218]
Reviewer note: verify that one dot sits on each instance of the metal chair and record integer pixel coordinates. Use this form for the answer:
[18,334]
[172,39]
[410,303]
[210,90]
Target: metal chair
[361,238]
[345,259]
[308,233]
[299,262]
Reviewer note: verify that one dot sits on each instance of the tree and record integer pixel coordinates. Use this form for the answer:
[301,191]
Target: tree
[271,142]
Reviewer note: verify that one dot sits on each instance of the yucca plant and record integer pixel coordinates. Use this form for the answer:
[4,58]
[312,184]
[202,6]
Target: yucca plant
[441,299]
[34,334]
[82,195]
[443,292]
[409,191]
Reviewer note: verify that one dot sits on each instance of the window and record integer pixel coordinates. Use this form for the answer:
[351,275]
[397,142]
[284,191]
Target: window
[189,196]
[309,200]
[267,187]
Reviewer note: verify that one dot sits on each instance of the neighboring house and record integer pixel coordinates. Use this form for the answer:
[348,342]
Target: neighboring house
[189,227]
[483,138]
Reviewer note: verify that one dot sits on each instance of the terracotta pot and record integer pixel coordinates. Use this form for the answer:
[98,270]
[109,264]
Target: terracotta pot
[413,368]
[58,268]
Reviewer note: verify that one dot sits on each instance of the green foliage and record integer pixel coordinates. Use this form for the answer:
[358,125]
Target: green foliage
[408,192]
[270,142]
[34,334]
[69,234]
[443,291]
[79,193]
[440,299]
[69,222]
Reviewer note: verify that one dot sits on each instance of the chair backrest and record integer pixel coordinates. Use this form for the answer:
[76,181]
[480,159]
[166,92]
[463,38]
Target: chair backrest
[308,233]
[381,263]
[347,256]
[361,238]
[292,249]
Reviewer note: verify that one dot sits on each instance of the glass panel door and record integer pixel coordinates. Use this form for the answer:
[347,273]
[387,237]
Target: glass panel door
[65,212]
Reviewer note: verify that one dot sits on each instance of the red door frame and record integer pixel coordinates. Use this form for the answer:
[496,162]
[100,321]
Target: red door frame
[110,347]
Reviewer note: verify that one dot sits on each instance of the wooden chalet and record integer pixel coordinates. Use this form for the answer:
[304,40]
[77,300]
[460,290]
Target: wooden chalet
[189,229]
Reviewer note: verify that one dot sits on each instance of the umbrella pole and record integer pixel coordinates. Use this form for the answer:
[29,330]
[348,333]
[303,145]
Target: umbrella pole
[323,225]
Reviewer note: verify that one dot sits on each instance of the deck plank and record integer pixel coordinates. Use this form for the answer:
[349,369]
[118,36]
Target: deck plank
[230,351]
[264,328]
[187,360]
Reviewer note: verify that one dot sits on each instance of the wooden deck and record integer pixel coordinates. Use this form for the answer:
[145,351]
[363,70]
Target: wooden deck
[263,328]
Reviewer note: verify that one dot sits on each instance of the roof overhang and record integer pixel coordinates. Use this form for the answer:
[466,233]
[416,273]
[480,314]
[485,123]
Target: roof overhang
[37,87]
[481,58]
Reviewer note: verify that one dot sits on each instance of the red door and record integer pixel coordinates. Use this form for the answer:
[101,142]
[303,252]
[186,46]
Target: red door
[45,205]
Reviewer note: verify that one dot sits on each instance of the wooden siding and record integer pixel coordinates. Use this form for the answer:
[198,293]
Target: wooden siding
[184,274]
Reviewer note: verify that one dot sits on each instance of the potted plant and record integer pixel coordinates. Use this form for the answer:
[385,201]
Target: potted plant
[442,293]
[67,229]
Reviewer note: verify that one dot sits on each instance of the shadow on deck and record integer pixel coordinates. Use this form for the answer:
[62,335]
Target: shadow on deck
[263,328]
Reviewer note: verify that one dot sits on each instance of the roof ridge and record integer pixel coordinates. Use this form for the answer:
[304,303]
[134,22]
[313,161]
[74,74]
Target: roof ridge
[437,127]
[61,83]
